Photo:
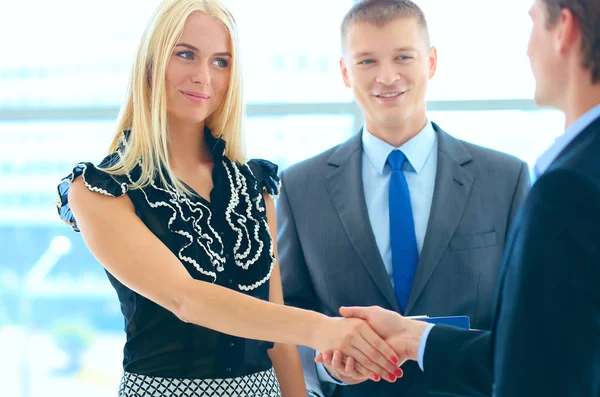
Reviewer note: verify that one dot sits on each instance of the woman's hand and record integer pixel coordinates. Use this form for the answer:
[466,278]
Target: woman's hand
[354,338]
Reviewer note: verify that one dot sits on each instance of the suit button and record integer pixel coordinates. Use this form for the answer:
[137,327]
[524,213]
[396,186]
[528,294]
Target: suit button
[232,344]
[227,256]
[228,369]
[230,281]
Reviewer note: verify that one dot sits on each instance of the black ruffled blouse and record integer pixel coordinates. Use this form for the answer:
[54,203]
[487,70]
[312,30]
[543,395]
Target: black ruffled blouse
[225,242]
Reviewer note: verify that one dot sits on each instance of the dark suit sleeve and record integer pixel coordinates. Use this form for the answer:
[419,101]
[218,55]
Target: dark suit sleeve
[521,190]
[547,340]
[458,362]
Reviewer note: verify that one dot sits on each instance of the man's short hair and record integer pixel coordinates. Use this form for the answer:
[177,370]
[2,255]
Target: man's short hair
[380,12]
[587,13]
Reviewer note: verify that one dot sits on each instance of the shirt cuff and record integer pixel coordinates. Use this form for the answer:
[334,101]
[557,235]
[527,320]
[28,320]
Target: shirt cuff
[324,376]
[423,344]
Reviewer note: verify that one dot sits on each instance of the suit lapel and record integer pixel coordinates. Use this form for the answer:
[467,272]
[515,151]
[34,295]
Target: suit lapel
[453,185]
[344,184]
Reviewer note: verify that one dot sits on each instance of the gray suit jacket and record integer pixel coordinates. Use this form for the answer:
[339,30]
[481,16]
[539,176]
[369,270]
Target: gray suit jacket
[329,257]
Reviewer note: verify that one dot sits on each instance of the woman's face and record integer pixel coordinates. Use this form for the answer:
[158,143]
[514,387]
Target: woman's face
[198,72]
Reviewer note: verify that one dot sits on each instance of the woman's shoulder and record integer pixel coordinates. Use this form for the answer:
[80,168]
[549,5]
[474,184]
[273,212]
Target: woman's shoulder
[266,176]
[96,179]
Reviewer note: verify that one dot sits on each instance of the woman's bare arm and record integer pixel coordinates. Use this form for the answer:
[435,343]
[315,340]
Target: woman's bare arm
[138,259]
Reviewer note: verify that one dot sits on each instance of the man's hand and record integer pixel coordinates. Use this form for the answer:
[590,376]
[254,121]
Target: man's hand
[403,334]
[354,337]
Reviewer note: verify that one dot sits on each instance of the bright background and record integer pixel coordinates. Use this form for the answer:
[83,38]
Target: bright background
[63,70]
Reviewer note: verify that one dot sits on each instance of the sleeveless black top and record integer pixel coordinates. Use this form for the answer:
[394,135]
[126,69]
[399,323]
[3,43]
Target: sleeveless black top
[225,241]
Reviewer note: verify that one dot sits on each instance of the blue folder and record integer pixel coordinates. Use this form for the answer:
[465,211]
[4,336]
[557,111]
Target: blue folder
[454,321]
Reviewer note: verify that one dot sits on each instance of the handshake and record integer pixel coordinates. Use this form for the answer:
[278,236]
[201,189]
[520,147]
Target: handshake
[367,343]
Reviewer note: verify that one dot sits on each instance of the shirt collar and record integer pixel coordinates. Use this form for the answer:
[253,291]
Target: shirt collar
[546,159]
[416,149]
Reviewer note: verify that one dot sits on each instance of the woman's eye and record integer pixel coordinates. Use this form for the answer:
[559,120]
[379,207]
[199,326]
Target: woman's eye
[186,55]
[220,62]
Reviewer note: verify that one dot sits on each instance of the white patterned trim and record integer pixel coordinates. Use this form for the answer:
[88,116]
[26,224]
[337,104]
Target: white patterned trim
[233,202]
[243,186]
[260,200]
[183,233]
[71,177]
[261,208]
[268,276]
[216,256]
[260,384]
[275,196]
[208,239]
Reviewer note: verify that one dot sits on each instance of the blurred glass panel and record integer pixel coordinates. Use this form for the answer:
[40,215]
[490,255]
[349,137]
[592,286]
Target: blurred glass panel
[525,134]
[66,53]
[482,48]
[60,322]
[35,155]
[292,57]
[285,140]
[292,54]
[75,57]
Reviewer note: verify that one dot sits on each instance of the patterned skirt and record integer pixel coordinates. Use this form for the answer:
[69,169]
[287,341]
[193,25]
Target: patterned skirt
[260,384]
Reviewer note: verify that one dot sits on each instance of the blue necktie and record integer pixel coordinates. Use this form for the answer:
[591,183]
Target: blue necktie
[405,255]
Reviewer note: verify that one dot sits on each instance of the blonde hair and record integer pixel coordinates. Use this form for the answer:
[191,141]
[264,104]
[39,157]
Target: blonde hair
[144,112]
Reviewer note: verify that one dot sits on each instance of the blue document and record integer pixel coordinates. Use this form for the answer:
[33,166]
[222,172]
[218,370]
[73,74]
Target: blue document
[454,321]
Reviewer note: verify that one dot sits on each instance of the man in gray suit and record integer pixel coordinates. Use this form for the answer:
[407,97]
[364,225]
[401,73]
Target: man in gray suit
[402,215]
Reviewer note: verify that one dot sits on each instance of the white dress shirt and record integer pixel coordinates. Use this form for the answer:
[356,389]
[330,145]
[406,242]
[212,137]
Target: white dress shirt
[419,170]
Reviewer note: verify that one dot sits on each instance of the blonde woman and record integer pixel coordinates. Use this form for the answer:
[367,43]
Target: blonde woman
[185,227]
